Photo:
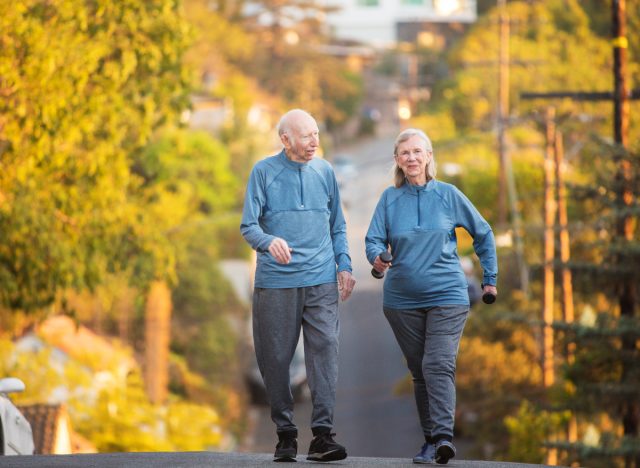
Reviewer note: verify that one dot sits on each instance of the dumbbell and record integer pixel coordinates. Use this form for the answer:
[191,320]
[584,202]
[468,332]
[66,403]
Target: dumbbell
[385,257]
[488,298]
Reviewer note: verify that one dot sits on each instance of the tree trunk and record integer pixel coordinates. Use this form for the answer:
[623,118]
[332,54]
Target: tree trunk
[157,333]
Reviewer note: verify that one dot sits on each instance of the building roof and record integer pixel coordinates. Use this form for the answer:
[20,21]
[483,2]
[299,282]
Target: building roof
[44,425]
[52,432]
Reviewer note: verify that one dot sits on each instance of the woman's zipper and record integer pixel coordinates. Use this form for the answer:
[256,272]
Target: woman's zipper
[418,206]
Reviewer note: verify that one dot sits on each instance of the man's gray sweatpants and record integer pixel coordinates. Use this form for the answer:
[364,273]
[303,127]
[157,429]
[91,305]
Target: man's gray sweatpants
[278,315]
[429,339]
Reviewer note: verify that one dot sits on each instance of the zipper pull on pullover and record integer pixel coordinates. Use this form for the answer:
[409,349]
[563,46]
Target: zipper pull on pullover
[418,205]
[301,187]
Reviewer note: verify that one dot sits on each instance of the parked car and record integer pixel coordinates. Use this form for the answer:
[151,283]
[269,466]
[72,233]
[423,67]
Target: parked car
[16,437]
[297,377]
[344,168]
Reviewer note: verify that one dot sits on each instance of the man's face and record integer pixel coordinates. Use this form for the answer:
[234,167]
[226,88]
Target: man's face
[301,139]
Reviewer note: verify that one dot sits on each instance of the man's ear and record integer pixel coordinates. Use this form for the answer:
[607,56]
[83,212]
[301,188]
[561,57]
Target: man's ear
[284,138]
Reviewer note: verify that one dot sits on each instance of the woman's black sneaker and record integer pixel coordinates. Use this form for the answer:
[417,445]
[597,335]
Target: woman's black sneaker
[323,448]
[287,449]
[444,451]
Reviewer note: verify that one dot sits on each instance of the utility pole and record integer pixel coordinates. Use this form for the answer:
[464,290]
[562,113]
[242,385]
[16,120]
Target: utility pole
[565,254]
[565,250]
[506,182]
[503,111]
[620,88]
[627,292]
[412,79]
[548,353]
[157,329]
[548,374]
[627,295]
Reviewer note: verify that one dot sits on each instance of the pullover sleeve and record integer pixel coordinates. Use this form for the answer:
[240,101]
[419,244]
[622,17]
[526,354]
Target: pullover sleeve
[338,227]
[484,244]
[254,204]
[376,240]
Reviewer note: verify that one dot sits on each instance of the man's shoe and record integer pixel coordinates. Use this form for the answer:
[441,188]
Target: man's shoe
[426,455]
[287,448]
[323,448]
[444,451]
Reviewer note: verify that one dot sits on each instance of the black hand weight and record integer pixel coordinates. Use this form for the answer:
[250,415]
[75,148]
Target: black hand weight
[384,257]
[488,298]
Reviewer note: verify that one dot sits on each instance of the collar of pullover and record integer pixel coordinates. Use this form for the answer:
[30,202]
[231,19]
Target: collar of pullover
[289,163]
[414,189]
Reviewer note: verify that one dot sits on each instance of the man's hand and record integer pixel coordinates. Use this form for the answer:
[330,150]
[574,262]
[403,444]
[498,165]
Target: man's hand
[346,282]
[280,250]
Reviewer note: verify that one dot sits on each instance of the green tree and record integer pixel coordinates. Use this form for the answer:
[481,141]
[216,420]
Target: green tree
[106,400]
[528,427]
[259,58]
[84,85]
[290,61]
[605,373]
[192,196]
[544,44]
[186,174]
[548,40]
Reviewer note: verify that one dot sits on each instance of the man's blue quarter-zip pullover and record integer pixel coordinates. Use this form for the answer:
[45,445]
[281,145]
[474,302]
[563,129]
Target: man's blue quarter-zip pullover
[418,223]
[300,203]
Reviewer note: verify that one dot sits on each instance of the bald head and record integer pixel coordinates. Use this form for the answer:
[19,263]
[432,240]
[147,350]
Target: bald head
[299,134]
[292,120]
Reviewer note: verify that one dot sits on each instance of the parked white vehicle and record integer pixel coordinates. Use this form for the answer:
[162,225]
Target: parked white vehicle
[297,377]
[16,437]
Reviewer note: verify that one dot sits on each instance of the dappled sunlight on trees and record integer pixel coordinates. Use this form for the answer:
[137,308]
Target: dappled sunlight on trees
[102,195]
[104,190]
[554,46]
[106,399]
[84,85]
[528,426]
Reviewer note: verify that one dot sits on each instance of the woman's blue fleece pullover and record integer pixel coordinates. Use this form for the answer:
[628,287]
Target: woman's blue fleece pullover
[418,223]
[300,203]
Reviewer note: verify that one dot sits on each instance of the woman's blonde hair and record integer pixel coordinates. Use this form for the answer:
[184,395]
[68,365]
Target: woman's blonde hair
[398,176]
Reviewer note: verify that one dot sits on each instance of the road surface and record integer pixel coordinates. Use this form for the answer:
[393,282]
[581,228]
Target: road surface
[207,460]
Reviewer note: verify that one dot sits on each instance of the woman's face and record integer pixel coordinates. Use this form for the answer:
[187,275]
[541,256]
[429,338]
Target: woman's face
[412,157]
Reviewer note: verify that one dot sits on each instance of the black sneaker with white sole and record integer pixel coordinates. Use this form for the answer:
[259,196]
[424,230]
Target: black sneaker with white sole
[445,450]
[323,448]
[287,448]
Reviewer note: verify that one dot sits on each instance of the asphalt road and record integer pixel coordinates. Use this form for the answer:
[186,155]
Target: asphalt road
[208,460]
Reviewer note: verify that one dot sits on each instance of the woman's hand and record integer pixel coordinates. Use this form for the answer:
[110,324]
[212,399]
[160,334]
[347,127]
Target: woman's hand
[489,288]
[380,266]
[489,293]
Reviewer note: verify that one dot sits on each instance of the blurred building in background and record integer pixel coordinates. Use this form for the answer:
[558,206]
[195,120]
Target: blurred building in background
[386,22]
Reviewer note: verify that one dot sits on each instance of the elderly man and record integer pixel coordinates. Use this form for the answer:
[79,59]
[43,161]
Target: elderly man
[292,217]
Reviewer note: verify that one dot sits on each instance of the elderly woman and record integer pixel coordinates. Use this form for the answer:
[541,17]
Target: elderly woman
[425,291]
